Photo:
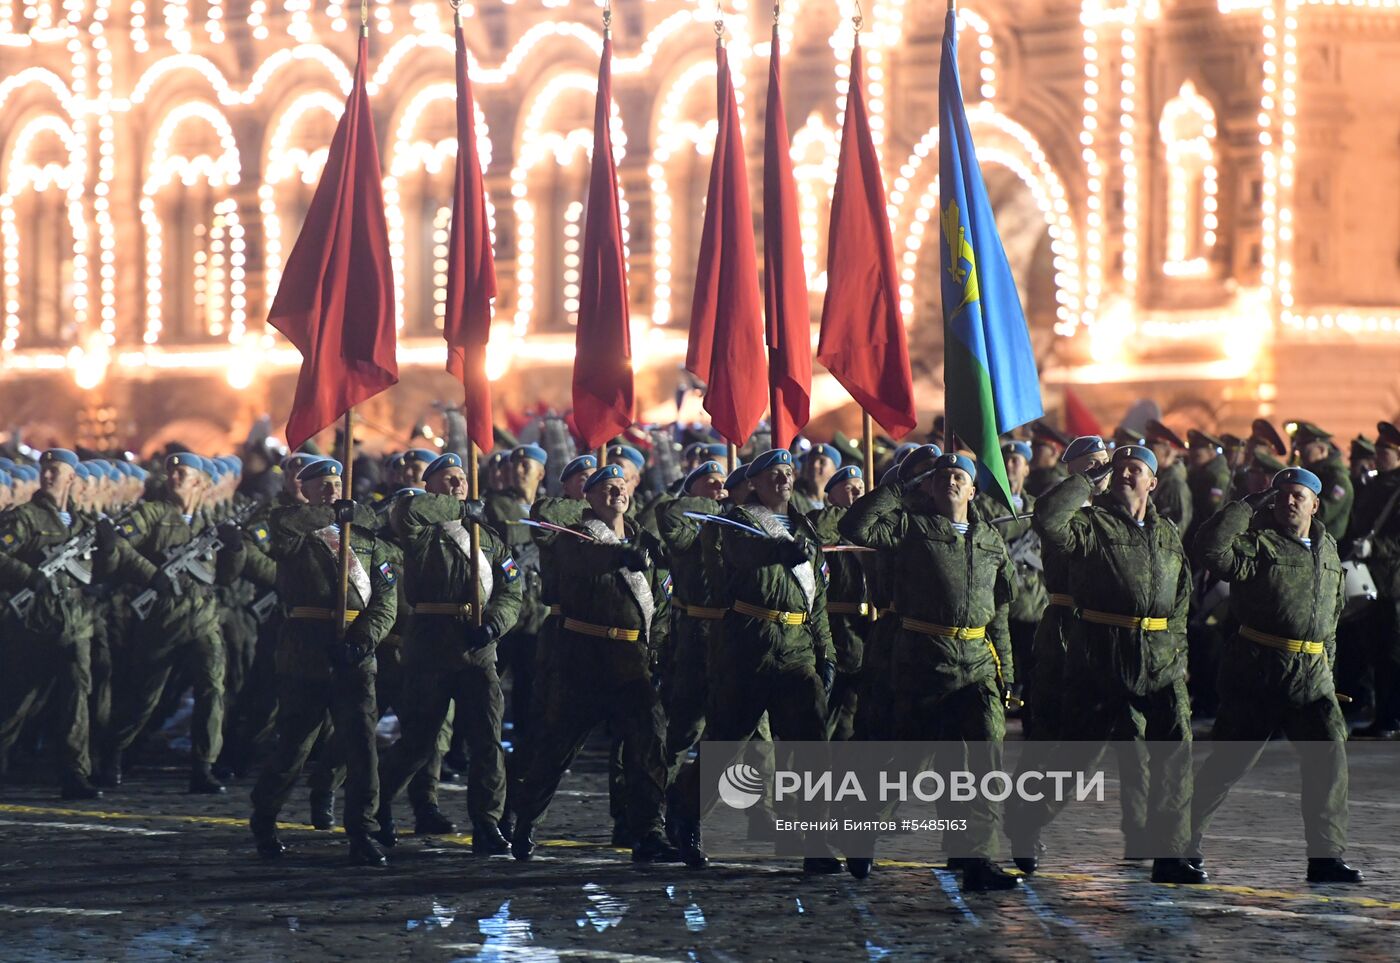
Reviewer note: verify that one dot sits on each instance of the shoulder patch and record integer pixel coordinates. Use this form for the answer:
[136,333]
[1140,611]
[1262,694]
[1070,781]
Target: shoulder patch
[128,529]
[1337,492]
[1217,492]
[260,534]
[826,573]
[511,570]
[9,539]
[386,569]
[667,586]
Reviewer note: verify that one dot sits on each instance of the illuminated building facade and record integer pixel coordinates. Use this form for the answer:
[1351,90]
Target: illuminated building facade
[1200,199]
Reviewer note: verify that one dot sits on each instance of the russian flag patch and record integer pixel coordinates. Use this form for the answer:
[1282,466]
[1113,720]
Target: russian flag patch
[511,570]
[387,570]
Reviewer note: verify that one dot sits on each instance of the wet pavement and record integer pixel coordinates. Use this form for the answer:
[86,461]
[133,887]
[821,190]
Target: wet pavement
[148,873]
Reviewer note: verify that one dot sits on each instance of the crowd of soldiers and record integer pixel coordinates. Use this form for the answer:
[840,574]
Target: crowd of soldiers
[789,596]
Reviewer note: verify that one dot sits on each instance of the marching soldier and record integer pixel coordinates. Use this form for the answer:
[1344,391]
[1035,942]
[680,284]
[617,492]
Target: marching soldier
[609,602]
[46,656]
[1362,461]
[847,602]
[320,673]
[817,466]
[1375,533]
[953,664]
[448,659]
[183,625]
[1172,496]
[1276,673]
[1125,666]
[1208,478]
[1316,453]
[1047,465]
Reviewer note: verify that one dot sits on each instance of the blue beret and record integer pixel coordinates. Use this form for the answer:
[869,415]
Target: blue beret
[1298,476]
[1017,448]
[123,468]
[140,472]
[630,453]
[82,471]
[25,472]
[235,463]
[441,463]
[700,471]
[918,460]
[830,451]
[5,478]
[737,477]
[60,455]
[844,474]
[186,459]
[769,459]
[1083,445]
[213,469]
[954,460]
[396,461]
[7,463]
[114,471]
[293,464]
[496,457]
[902,452]
[602,475]
[532,452]
[891,475]
[580,464]
[717,451]
[420,454]
[321,468]
[1140,452]
[707,450]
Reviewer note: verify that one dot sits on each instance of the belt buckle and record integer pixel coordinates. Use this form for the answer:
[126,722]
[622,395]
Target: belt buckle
[614,632]
[962,633]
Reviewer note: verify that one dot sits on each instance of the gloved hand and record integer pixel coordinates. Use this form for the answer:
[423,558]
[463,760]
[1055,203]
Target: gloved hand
[474,511]
[1097,473]
[1011,698]
[230,534]
[796,552]
[635,559]
[39,582]
[344,511]
[826,670]
[105,535]
[479,636]
[1260,499]
[163,584]
[350,653]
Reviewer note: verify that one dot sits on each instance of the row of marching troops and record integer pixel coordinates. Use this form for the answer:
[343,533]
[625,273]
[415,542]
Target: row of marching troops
[791,597]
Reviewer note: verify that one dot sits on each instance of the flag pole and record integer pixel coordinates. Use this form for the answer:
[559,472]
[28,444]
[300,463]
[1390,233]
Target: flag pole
[474,492]
[867,442]
[342,594]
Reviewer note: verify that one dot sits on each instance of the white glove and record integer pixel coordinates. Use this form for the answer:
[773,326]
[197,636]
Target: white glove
[1362,549]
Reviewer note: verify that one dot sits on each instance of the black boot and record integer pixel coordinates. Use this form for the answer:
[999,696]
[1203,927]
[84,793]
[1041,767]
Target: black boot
[653,848]
[430,821]
[622,836]
[365,851]
[1026,854]
[1332,869]
[1179,871]
[487,840]
[78,787]
[203,783]
[982,875]
[522,842]
[384,833]
[821,865]
[109,770]
[859,866]
[265,836]
[322,809]
[507,825]
[686,837]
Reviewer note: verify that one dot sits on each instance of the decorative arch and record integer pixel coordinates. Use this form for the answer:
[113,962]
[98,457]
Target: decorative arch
[194,148]
[561,144]
[1187,130]
[43,188]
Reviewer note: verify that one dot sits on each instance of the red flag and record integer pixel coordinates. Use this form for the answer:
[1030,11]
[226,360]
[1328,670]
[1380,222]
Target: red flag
[1079,420]
[603,343]
[471,271]
[726,315]
[335,302]
[862,336]
[785,277]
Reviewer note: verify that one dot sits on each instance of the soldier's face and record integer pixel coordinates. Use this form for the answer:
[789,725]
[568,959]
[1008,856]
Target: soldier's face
[1017,468]
[56,479]
[1387,458]
[573,485]
[1294,505]
[1133,479]
[707,486]
[323,490]
[1201,456]
[950,488]
[526,472]
[1312,451]
[775,484]
[818,469]
[844,494]
[1078,466]
[183,481]
[448,481]
[629,471]
[610,498]
[413,472]
[1166,454]
[1044,455]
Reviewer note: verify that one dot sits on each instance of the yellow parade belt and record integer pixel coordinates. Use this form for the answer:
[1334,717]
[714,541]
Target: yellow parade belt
[848,608]
[701,612]
[1146,623]
[321,615]
[884,612]
[772,615]
[1059,598]
[1280,643]
[602,631]
[556,610]
[460,610]
[943,631]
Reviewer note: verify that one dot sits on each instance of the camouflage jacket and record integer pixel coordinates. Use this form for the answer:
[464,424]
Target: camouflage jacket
[29,533]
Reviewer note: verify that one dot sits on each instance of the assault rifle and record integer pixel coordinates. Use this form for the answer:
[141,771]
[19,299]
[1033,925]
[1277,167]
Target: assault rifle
[188,559]
[68,557]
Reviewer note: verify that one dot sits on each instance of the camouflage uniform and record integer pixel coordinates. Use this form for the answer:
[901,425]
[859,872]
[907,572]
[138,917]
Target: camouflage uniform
[1172,497]
[1337,494]
[850,615]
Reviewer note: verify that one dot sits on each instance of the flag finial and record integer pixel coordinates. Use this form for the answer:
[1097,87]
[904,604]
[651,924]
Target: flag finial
[607,20]
[456,6]
[858,19]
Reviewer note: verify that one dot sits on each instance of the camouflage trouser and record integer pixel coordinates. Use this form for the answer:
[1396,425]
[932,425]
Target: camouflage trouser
[874,719]
[433,701]
[306,704]
[36,673]
[139,685]
[684,688]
